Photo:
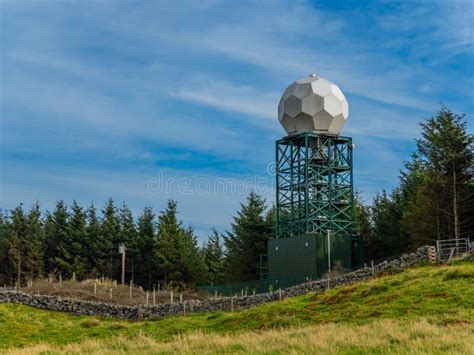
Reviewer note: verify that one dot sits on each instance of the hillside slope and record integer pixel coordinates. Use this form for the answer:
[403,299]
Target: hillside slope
[426,306]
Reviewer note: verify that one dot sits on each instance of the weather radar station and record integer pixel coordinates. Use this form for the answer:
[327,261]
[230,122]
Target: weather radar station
[315,225]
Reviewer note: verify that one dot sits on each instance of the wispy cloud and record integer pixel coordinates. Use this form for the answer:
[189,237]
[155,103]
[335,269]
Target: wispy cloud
[361,75]
[443,28]
[65,106]
[226,96]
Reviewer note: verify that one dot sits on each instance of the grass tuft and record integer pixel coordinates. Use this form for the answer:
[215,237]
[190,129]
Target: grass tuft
[90,323]
[459,274]
[375,289]
[115,326]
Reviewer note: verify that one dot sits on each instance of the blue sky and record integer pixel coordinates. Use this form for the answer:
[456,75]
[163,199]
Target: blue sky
[107,98]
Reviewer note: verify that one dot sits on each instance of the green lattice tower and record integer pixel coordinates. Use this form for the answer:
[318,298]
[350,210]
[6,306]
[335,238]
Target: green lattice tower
[314,185]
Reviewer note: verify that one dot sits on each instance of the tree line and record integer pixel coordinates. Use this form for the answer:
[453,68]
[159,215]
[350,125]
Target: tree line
[159,247]
[433,200]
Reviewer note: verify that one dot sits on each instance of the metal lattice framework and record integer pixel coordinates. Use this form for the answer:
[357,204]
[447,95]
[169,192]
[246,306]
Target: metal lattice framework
[314,185]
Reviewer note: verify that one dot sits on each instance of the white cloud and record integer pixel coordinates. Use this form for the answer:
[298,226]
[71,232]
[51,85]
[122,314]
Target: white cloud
[230,97]
[67,108]
[456,27]
[368,119]
[359,70]
[442,28]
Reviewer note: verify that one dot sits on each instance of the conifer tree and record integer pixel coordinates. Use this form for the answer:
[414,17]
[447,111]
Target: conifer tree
[422,216]
[214,257]
[247,240]
[93,245]
[435,197]
[35,242]
[48,224]
[145,270]
[78,239]
[58,258]
[178,257]
[6,267]
[387,213]
[446,148]
[270,220]
[190,263]
[364,228]
[128,236]
[109,228]
[18,245]
[167,253]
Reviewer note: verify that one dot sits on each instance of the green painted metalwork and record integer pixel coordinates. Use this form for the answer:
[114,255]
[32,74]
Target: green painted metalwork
[315,193]
[314,185]
[305,258]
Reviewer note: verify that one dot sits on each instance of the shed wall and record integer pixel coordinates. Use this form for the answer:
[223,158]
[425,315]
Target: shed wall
[298,259]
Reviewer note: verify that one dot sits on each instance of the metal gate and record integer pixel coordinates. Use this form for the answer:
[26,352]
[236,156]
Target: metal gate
[452,248]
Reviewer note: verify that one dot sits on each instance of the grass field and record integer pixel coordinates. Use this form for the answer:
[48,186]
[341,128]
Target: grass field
[97,290]
[425,309]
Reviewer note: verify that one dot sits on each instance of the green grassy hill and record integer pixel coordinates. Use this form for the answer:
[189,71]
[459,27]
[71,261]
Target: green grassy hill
[427,308]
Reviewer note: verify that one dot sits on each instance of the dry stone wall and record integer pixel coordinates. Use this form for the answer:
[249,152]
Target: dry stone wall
[140,312]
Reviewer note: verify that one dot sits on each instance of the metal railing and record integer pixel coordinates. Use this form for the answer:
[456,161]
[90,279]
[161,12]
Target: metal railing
[249,287]
[448,249]
[264,284]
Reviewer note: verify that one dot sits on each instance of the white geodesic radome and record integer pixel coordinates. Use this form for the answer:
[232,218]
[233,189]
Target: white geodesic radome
[313,104]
